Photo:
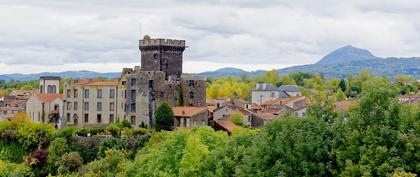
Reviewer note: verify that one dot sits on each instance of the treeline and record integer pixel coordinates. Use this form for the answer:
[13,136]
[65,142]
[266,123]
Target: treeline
[376,137]
[310,84]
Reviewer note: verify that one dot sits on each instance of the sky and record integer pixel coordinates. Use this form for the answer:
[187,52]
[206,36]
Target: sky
[102,35]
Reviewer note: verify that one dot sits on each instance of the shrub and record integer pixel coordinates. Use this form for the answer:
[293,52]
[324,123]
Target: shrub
[114,130]
[164,117]
[13,169]
[123,124]
[86,146]
[94,130]
[69,162]
[140,131]
[67,132]
[34,135]
[12,151]
[82,132]
[127,132]
[38,162]
[113,164]
[111,143]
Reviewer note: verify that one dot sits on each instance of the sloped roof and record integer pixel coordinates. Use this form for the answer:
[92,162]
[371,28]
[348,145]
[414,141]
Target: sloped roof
[211,108]
[187,111]
[273,101]
[226,124]
[266,116]
[289,88]
[264,87]
[293,99]
[48,97]
[12,108]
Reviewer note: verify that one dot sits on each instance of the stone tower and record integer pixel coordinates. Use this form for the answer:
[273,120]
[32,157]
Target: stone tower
[49,84]
[162,55]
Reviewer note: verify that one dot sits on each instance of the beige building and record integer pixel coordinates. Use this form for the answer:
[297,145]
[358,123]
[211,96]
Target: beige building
[49,84]
[42,105]
[92,102]
[190,116]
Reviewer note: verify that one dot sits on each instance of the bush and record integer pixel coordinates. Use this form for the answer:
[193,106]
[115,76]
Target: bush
[69,162]
[94,130]
[140,131]
[82,132]
[86,146]
[113,164]
[12,151]
[38,162]
[67,132]
[164,117]
[111,143]
[127,132]
[12,169]
[35,135]
[123,124]
[114,130]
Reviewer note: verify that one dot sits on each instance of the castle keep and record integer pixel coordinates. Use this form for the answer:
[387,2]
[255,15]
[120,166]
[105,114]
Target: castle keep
[159,80]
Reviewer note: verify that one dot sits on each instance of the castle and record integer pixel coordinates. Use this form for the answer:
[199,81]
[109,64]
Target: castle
[136,95]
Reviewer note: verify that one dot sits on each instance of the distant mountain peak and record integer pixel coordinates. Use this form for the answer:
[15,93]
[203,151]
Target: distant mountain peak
[346,54]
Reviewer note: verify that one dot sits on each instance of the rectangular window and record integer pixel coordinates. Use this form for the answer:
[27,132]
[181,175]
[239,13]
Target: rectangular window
[68,117]
[125,94]
[133,82]
[69,105]
[99,93]
[123,82]
[111,118]
[86,106]
[75,106]
[191,83]
[133,119]
[75,94]
[87,93]
[191,95]
[112,93]
[133,107]
[86,116]
[68,93]
[111,106]
[133,94]
[99,106]
[99,118]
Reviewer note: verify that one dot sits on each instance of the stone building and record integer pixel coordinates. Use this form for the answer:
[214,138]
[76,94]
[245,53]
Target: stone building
[93,102]
[49,84]
[41,106]
[159,79]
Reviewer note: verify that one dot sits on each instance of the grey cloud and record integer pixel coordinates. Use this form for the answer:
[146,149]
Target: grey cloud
[55,32]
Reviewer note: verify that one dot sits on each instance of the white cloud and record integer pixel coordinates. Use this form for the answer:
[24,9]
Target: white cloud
[251,34]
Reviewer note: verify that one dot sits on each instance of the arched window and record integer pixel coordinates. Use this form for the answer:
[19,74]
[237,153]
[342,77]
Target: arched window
[49,89]
[54,89]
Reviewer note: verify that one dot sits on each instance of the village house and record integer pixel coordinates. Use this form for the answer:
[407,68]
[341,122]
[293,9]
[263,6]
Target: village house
[190,117]
[7,113]
[227,111]
[263,92]
[41,106]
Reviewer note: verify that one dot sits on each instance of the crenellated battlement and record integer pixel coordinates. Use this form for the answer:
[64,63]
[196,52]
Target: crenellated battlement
[162,42]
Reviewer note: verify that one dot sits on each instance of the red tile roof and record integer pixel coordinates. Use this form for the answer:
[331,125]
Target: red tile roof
[187,111]
[226,124]
[48,97]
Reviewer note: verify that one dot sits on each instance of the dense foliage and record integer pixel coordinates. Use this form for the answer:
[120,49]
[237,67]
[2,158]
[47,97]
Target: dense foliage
[164,117]
[376,137]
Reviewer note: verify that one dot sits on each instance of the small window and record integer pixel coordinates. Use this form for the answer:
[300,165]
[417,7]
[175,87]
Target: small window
[68,105]
[99,93]
[86,93]
[133,107]
[133,82]
[112,93]
[111,118]
[86,106]
[75,106]
[133,119]
[111,106]
[99,106]
[86,117]
[68,117]
[75,94]
[68,93]
[191,95]
[133,94]
[273,95]
[99,118]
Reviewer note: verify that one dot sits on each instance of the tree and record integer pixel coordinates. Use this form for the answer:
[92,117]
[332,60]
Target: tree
[164,117]
[237,118]
[343,85]
[340,95]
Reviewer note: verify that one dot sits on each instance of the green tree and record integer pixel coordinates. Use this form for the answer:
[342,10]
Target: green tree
[237,118]
[164,117]
[342,85]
